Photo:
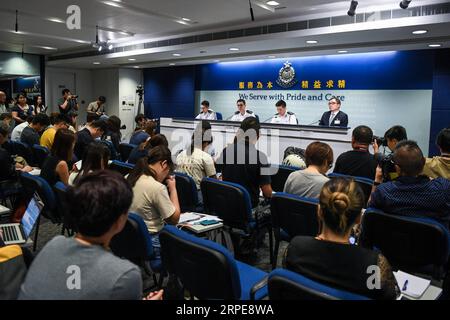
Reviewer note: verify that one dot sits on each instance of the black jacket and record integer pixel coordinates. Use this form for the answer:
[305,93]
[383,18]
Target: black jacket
[341,116]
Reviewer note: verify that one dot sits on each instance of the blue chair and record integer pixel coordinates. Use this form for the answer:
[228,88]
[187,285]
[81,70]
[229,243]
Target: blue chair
[281,175]
[231,203]
[121,167]
[21,149]
[292,216]
[34,184]
[187,192]
[125,150]
[206,269]
[417,245]
[365,183]
[114,154]
[40,154]
[287,285]
[63,209]
[134,243]
[219,116]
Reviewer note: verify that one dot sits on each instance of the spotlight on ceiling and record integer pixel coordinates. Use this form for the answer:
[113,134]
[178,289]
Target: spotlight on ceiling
[110,47]
[404,4]
[352,9]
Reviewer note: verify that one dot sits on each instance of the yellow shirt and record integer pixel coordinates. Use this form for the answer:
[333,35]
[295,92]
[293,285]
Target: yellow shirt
[48,137]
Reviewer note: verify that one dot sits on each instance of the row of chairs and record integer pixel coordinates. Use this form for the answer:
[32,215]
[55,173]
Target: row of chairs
[34,155]
[410,244]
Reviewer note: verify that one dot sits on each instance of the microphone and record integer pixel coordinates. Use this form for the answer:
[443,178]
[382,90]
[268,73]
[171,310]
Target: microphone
[268,119]
[315,122]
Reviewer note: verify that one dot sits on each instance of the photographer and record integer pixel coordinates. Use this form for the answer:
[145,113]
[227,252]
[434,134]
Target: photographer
[391,138]
[68,103]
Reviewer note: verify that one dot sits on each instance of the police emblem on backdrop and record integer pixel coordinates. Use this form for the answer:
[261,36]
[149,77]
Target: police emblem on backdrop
[286,76]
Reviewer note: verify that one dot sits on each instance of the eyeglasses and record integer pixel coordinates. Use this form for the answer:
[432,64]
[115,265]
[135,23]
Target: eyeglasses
[332,102]
[240,105]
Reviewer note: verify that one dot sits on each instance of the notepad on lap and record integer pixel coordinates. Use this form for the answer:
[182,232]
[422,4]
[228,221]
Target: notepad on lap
[415,287]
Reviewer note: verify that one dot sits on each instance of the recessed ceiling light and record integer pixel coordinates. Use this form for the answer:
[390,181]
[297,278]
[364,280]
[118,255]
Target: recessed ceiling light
[112,4]
[47,48]
[342,51]
[176,54]
[311,41]
[216,61]
[171,64]
[185,19]
[435,45]
[271,57]
[57,20]
[136,67]
[272,3]
[234,49]
[182,22]
[131,59]
[419,31]
[95,62]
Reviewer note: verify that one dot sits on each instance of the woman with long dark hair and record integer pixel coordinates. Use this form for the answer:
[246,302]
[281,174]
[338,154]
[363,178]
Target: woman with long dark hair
[96,158]
[155,193]
[55,167]
[39,106]
[21,109]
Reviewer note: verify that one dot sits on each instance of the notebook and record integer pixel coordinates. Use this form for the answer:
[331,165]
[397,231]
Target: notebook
[192,221]
[411,285]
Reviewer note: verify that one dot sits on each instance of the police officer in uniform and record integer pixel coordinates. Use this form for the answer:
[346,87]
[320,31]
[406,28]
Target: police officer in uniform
[207,113]
[282,115]
[242,112]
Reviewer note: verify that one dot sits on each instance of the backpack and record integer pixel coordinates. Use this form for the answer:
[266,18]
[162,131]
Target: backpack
[12,272]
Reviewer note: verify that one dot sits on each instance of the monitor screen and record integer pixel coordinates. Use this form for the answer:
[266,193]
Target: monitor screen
[30,216]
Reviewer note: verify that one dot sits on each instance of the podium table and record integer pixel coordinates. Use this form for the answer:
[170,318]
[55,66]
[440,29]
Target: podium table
[273,140]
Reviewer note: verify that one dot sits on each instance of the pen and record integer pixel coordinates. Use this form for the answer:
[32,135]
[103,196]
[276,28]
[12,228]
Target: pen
[405,285]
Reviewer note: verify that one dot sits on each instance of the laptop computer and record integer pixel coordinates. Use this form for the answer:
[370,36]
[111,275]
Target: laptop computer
[18,233]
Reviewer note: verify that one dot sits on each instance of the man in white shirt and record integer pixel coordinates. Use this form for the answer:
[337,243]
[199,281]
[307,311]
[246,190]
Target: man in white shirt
[17,131]
[207,113]
[282,115]
[242,112]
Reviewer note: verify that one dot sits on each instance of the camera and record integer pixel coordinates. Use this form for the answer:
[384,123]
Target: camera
[387,165]
[73,97]
[381,141]
[140,90]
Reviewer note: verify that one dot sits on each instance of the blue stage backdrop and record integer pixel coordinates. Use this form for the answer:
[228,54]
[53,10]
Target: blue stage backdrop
[376,89]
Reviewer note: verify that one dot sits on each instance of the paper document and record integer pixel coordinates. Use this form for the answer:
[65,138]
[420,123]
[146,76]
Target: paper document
[411,285]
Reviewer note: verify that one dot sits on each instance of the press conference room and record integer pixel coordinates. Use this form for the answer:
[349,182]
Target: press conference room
[245,150]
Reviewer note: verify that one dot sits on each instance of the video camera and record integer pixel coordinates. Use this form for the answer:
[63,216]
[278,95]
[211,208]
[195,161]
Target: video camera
[381,141]
[140,90]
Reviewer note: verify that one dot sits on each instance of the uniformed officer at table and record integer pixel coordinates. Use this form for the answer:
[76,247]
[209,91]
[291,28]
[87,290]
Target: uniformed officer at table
[282,115]
[207,113]
[242,112]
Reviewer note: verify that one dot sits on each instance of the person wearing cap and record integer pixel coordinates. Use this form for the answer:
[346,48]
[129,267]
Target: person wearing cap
[97,107]
[207,113]
[282,115]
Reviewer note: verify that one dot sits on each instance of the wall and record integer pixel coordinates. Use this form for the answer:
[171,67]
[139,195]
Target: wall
[129,79]
[79,81]
[12,63]
[105,82]
[169,92]
[440,115]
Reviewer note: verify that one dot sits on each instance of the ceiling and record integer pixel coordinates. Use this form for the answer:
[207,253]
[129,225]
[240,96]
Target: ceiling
[42,30]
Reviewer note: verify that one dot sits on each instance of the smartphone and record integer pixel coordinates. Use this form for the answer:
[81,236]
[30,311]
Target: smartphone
[208,222]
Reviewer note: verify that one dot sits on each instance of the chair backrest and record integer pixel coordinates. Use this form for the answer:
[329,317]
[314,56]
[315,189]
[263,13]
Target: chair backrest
[121,167]
[219,116]
[114,154]
[408,243]
[206,269]
[21,149]
[280,177]
[62,205]
[187,192]
[125,150]
[287,285]
[297,216]
[365,183]
[40,153]
[37,184]
[134,242]
[229,201]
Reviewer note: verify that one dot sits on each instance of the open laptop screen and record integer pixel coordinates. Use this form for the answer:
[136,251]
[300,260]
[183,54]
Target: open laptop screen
[30,216]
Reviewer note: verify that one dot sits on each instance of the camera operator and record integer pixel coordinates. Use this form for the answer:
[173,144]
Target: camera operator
[391,138]
[68,103]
